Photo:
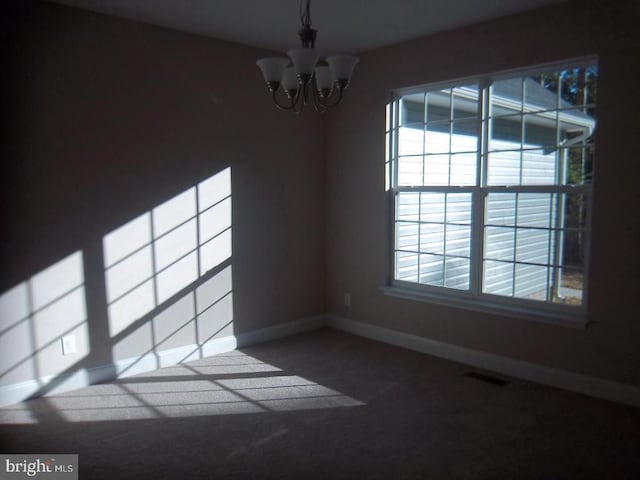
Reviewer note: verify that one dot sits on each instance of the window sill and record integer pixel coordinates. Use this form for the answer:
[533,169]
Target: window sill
[558,317]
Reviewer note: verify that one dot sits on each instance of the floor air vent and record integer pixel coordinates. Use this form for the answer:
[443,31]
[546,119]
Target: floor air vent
[487,378]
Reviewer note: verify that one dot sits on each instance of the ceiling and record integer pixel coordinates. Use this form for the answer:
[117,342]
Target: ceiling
[344,26]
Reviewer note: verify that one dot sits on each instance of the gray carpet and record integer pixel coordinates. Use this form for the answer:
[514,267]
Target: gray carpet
[327,405]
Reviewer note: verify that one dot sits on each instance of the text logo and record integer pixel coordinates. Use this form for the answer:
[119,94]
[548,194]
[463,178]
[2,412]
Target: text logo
[38,466]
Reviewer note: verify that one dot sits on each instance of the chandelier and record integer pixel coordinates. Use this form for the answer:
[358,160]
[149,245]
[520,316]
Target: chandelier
[303,77]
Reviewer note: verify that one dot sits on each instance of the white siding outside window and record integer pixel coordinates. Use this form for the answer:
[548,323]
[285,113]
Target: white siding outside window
[491,188]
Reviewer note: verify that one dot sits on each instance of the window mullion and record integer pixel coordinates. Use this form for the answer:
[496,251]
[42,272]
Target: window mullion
[424,137]
[396,135]
[424,149]
[392,208]
[561,176]
[391,194]
[551,275]
[484,137]
[451,133]
[478,196]
[569,189]
[523,120]
[477,248]
[515,245]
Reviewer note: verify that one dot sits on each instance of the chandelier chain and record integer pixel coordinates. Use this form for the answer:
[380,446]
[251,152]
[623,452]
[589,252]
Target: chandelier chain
[305,17]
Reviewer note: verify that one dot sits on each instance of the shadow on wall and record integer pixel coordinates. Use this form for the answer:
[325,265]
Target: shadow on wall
[168,290]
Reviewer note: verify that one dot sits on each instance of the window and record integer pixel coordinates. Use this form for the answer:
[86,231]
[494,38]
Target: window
[491,187]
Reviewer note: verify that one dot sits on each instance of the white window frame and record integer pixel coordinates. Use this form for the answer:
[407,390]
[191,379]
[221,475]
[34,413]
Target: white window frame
[474,299]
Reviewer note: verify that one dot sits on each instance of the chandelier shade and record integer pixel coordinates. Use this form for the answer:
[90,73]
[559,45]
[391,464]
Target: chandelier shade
[304,77]
[324,77]
[304,60]
[289,79]
[272,68]
[342,66]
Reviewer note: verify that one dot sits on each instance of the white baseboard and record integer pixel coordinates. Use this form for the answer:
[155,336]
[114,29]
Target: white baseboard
[595,387]
[16,392]
[280,331]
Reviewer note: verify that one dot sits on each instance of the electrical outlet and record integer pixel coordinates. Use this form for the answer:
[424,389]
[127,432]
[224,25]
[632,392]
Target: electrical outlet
[69,345]
[347,299]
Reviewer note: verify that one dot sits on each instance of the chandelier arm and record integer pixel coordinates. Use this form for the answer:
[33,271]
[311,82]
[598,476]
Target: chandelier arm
[317,99]
[299,99]
[298,102]
[292,101]
[317,103]
[309,92]
[327,105]
[319,107]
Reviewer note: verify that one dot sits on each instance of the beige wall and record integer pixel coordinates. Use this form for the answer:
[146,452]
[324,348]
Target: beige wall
[110,118]
[357,226]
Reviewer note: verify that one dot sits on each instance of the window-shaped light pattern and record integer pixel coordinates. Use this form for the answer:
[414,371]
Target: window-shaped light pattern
[492,184]
[158,254]
[184,328]
[224,384]
[36,316]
